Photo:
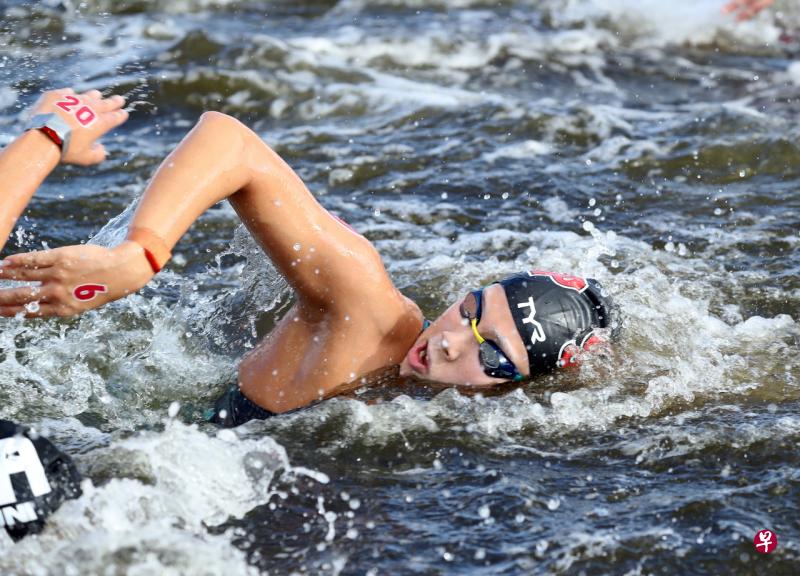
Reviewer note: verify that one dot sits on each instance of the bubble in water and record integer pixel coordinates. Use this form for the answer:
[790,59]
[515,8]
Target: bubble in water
[553,504]
[484,511]
[32,307]
[297,247]
[588,226]
[592,202]
[480,554]
[174,408]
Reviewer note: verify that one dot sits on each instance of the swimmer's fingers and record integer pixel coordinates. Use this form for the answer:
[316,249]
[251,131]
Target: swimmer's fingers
[110,104]
[754,8]
[41,311]
[733,6]
[40,259]
[21,296]
[746,9]
[25,274]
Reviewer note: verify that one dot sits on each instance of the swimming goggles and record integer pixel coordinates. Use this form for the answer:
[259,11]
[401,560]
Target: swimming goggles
[494,361]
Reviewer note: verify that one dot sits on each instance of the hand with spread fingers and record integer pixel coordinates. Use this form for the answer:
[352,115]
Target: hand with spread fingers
[746,9]
[88,116]
[72,279]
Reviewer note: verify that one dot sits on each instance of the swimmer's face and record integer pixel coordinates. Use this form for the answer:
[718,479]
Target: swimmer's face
[448,350]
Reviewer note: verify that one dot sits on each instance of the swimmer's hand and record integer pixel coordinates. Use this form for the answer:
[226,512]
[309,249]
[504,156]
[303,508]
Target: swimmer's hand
[72,279]
[746,9]
[89,115]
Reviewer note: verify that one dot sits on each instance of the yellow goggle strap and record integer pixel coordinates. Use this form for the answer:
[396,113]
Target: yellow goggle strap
[474,324]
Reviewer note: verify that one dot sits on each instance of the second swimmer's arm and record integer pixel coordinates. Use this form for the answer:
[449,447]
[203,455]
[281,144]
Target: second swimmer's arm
[24,164]
[27,161]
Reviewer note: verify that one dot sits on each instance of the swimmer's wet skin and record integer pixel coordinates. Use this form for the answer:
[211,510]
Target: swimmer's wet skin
[348,321]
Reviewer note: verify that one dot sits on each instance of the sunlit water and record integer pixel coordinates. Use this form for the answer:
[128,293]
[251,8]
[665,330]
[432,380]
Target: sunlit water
[650,144]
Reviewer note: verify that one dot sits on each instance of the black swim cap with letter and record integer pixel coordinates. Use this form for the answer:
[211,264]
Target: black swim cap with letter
[554,312]
[35,479]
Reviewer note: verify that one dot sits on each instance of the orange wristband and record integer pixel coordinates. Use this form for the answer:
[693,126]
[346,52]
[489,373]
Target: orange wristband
[154,246]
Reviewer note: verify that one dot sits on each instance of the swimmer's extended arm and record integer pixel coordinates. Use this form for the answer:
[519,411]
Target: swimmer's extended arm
[27,161]
[328,264]
[746,9]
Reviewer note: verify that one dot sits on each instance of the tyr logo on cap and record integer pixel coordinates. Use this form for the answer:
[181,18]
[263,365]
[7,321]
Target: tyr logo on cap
[18,456]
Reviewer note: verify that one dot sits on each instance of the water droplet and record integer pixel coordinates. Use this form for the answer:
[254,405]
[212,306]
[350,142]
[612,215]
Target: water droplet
[444,195]
[32,307]
[174,408]
[297,247]
[588,226]
[592,202]
[484,511]
[553,504]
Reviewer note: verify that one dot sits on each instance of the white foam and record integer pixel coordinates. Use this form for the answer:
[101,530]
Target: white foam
[521,150]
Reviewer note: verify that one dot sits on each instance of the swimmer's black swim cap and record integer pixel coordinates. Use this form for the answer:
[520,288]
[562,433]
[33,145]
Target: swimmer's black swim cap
[35,479]
[555,314]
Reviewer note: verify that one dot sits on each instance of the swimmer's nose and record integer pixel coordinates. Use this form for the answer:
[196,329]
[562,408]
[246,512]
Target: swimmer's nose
[454,344]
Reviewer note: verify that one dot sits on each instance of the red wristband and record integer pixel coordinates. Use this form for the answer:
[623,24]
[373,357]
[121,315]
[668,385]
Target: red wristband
[154,246]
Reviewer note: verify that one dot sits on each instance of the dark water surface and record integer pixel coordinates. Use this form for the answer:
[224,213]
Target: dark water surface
[650,144]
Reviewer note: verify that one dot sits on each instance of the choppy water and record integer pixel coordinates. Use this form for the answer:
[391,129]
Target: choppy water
[650,144]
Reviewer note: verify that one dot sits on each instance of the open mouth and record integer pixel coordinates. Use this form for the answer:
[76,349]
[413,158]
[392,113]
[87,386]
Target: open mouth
[418,358]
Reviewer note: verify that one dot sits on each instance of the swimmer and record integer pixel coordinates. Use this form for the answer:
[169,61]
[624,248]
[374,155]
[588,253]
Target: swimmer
[348,320]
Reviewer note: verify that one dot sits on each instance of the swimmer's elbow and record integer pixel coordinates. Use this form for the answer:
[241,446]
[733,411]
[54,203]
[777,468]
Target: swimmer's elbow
[220,123]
